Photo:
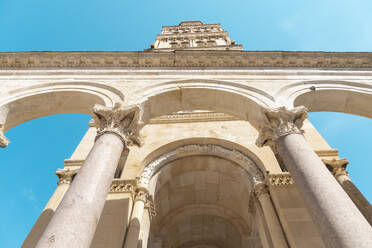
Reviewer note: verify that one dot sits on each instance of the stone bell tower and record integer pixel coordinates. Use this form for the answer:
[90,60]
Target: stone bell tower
[193,35]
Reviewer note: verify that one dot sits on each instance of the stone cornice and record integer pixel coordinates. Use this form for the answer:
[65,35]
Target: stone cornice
[187,59]
[73,162]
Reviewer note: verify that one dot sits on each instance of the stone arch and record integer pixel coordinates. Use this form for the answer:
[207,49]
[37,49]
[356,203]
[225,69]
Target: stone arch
[204,209]
[29,103]
[235,99]
[334,96]
[255,173]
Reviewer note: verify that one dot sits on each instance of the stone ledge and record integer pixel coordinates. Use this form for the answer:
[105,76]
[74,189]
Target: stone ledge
[186,59]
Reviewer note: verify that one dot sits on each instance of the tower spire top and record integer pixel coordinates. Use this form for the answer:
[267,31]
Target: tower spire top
[193,35]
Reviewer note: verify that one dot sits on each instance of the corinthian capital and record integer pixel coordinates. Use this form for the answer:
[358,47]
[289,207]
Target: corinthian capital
[4,142]
[66,176]
[337,166]
[260,189]
[123,121]
[279,122]
[141,194]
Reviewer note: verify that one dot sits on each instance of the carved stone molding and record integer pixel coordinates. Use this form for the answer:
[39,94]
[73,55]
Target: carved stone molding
[281,179]
[141,194]
[66,176]
[25,60]
[327,153]
[255,174]
[122,121]
[337,166]
[137,192]
[279,122]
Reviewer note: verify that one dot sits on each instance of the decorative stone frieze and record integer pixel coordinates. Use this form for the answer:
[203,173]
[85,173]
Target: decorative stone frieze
[281,179]
[39,60]
[279,122]
[255,174]
[192,117]
[66,176]
[123,186]
[337,166]
[122,121]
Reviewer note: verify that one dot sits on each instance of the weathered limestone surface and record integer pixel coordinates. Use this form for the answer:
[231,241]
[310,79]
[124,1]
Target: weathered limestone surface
[271,217]
[338,169]
[338,219]
[76,218]
[202,106]
[132,236]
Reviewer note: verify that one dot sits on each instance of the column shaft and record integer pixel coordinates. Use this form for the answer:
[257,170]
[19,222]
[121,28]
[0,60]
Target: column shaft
[44,218]
[356,196]
[135,225]
[76,218]
[272,221]
[339,221]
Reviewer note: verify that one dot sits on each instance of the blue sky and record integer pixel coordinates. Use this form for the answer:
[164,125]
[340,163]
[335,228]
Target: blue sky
[39,147]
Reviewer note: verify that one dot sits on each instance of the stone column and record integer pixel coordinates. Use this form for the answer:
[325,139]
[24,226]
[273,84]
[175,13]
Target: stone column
[339,222]
[136,218]
[76,218]
[262,226]
[65,177]
[338,169]
[272,220]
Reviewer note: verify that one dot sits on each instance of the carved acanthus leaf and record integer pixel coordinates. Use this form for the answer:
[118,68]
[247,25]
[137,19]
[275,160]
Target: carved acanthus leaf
[279,122]
[260,188]
[137,192]
[123,121]
[65,176]
[337,166]
[4,142]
